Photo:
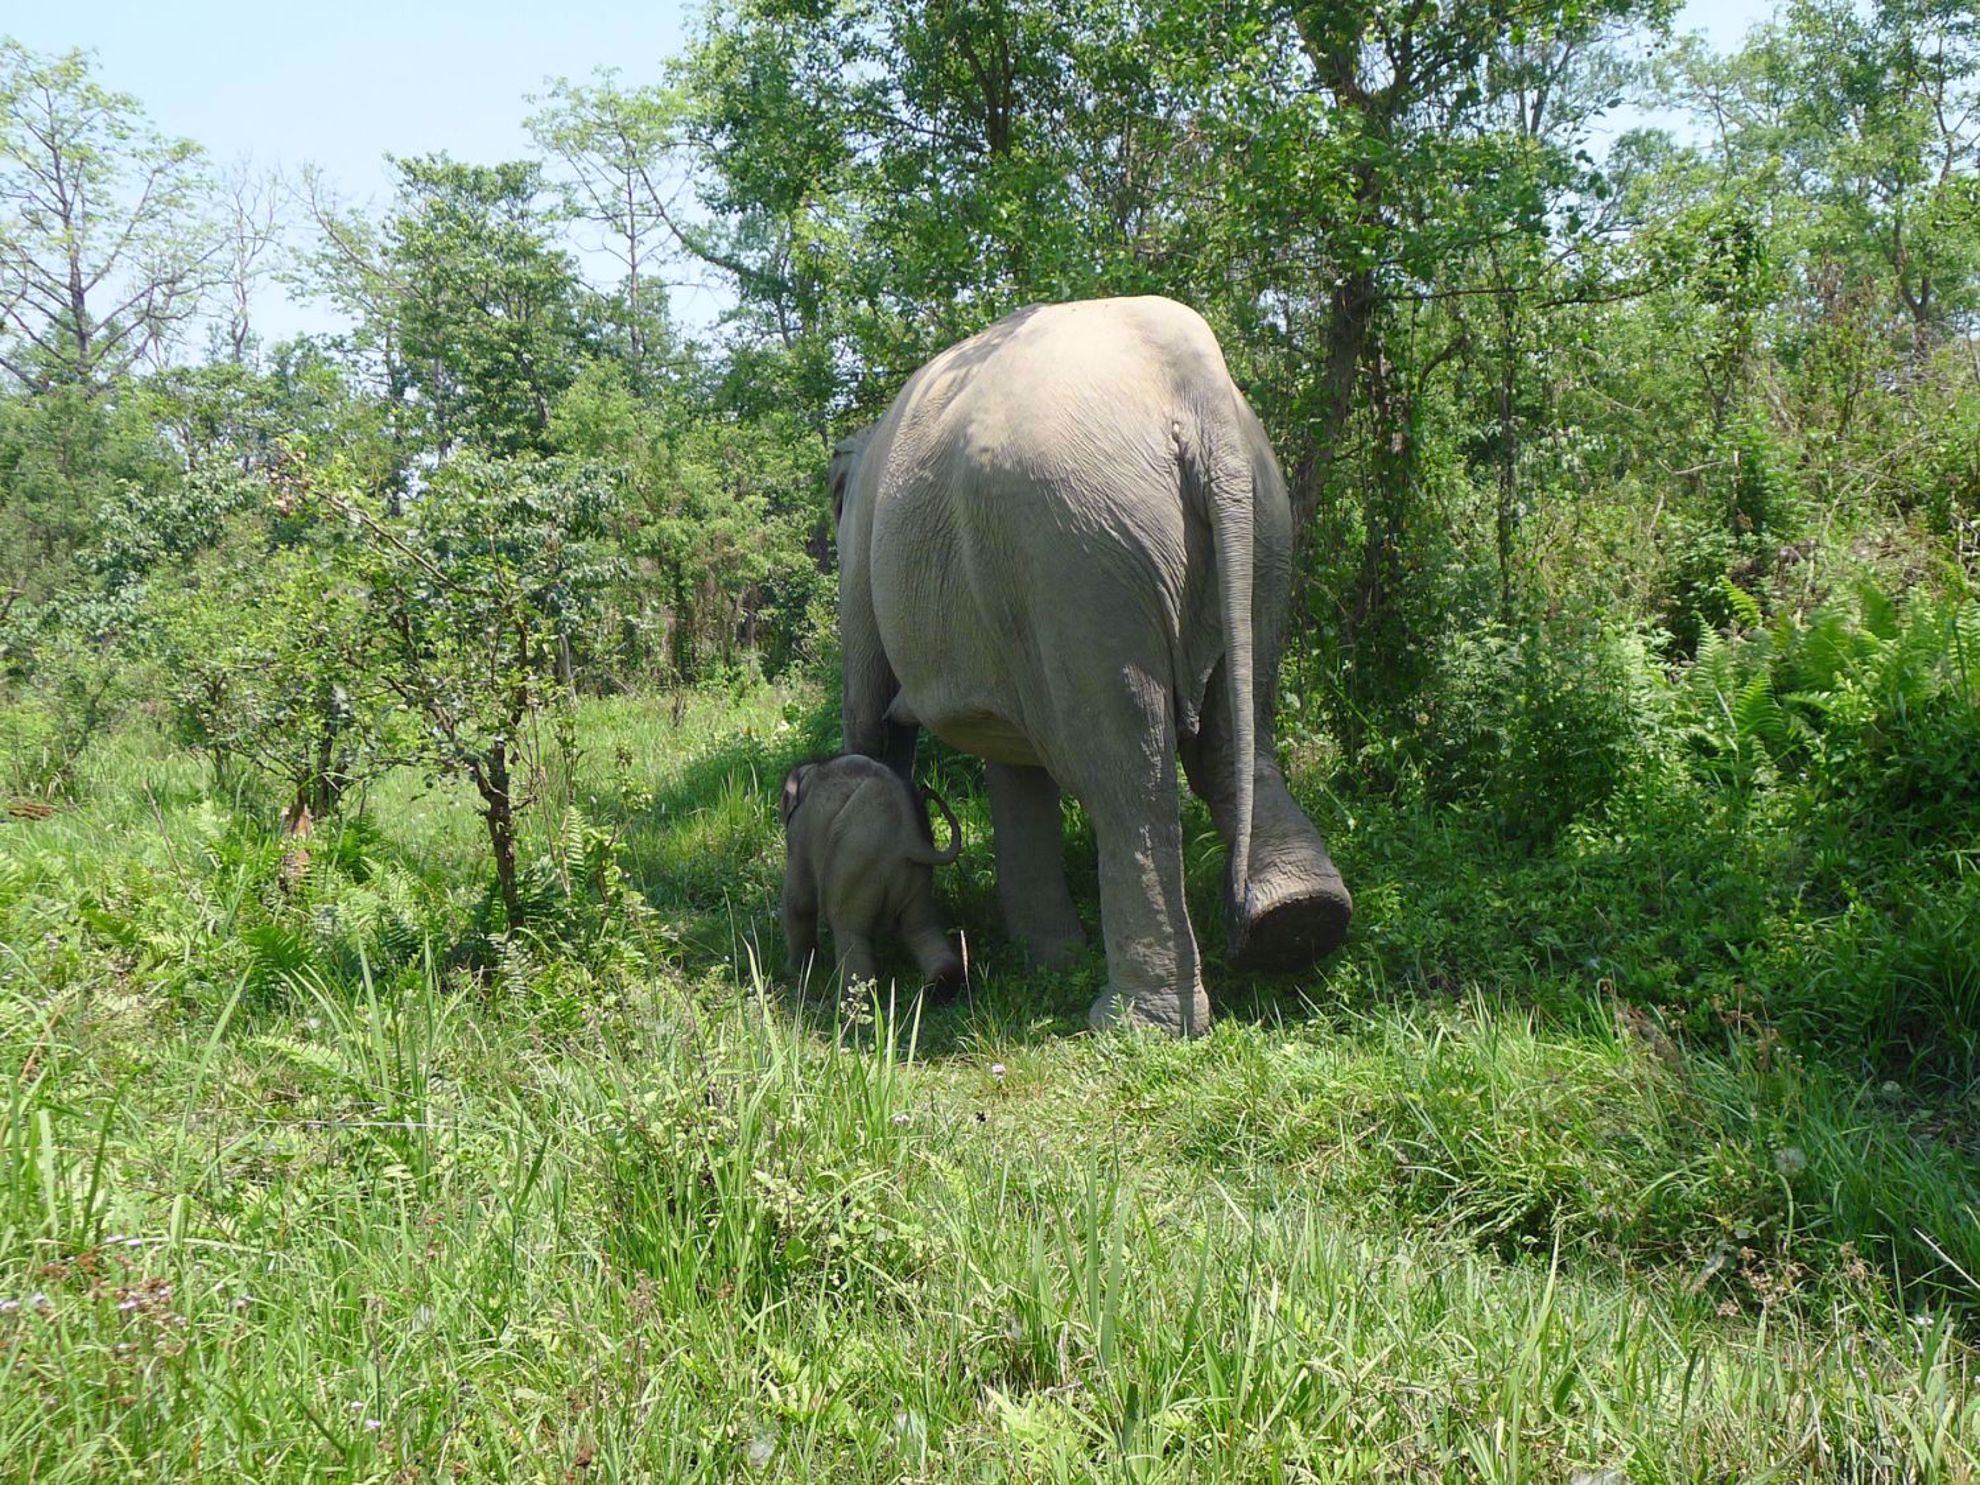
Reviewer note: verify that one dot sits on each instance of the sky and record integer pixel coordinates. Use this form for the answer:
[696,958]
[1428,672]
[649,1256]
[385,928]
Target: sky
[341,84]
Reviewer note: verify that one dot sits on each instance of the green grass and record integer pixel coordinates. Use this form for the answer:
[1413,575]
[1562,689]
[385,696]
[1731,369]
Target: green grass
[316,1184]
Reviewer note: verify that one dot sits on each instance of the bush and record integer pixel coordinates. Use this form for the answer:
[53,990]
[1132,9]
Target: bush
[742,1169]
[1537,724]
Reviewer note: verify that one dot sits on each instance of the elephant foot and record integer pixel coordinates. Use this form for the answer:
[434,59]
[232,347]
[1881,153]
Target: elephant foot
[1292,919]
[1170,1014]
[945,981]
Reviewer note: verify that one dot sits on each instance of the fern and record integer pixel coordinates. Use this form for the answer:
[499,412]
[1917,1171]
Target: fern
[576,840]
[304,1055]
[1758,717]
[1823,652]
[1965,635]
[1745,607]
[1880,613]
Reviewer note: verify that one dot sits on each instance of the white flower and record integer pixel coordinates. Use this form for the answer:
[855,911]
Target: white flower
[997,1071]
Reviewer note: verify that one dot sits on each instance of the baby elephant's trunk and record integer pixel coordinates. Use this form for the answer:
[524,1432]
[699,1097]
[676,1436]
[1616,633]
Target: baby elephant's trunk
[927,855]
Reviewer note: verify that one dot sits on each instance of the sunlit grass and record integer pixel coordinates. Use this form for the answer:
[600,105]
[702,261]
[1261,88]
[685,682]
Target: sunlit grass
[286,1196]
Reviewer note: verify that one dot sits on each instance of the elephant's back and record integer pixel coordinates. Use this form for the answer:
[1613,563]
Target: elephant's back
[1060,418]
[1052,383]
[1029,502]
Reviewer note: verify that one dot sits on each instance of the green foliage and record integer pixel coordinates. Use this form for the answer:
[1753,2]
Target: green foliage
[109,242]
[1632,675]
[263,656]
[721,517]
[759,1169]
[65,460]
[617,148]
[473,594]
[1538,726]
[1385,1235]
[80,689]
[486,320]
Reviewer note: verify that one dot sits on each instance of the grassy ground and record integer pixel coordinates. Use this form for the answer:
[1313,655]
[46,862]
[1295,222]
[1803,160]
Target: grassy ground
[293,1185]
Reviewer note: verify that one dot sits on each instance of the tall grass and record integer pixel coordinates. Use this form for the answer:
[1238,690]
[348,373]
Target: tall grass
[295,1186]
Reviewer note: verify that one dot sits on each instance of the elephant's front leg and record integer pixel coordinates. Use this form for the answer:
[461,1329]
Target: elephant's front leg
[1028,836]
[799,912]
[869,689]
[1296,906]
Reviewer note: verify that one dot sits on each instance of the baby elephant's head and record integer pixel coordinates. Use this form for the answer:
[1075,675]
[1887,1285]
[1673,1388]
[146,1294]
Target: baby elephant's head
[793,794]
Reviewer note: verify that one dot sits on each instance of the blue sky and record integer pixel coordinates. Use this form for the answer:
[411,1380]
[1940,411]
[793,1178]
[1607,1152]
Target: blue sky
[340,84]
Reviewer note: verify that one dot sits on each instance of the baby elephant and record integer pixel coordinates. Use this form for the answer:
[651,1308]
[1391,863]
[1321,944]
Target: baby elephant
[858,847]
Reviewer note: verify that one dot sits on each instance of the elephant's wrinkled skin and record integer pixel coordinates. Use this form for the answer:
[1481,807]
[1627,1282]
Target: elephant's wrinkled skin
[857,849]
[1066,547]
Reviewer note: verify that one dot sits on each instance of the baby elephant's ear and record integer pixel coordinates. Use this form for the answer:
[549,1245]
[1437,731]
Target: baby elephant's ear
[789,802]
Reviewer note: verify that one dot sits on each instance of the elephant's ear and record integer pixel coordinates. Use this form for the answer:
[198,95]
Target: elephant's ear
[845,463]
[793,785]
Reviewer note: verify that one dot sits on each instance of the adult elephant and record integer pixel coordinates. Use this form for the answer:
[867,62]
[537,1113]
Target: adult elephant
[1066,547]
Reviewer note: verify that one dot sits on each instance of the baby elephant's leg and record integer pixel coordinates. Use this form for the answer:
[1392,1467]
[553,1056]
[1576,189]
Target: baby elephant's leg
[857,962]
[921,929]
[800,918]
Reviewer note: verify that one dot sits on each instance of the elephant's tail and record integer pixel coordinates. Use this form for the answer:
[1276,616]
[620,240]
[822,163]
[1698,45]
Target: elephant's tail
[1224,458]
[927,855]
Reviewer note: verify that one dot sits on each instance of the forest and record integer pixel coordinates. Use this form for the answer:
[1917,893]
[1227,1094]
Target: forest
[406,1076]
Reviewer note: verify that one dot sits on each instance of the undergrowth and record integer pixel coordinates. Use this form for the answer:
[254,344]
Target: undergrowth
[1564,1165]
[1636,1143]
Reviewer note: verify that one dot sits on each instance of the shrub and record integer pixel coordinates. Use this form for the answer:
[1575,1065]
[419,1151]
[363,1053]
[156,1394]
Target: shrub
[1538,724]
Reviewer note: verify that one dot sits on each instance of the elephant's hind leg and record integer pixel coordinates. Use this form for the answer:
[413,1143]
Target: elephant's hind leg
[1028,836]
[941,966]
[1296,906]
[858,964]
[1154,975]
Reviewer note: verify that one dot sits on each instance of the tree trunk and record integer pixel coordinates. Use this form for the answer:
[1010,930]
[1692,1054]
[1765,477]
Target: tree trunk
[491,781]
[1351,311]
[1508,511]
[322,790]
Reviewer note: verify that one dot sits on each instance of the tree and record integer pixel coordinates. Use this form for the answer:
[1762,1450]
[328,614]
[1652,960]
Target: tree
[262,658]
[471,593]
[468,314]
[488,311]
[715,511]
[884,179]
[251,231]
[106,245]
[64,457]
[618,148]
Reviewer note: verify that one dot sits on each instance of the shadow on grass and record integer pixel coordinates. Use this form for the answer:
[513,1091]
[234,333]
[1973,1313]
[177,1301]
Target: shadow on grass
[706,851]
